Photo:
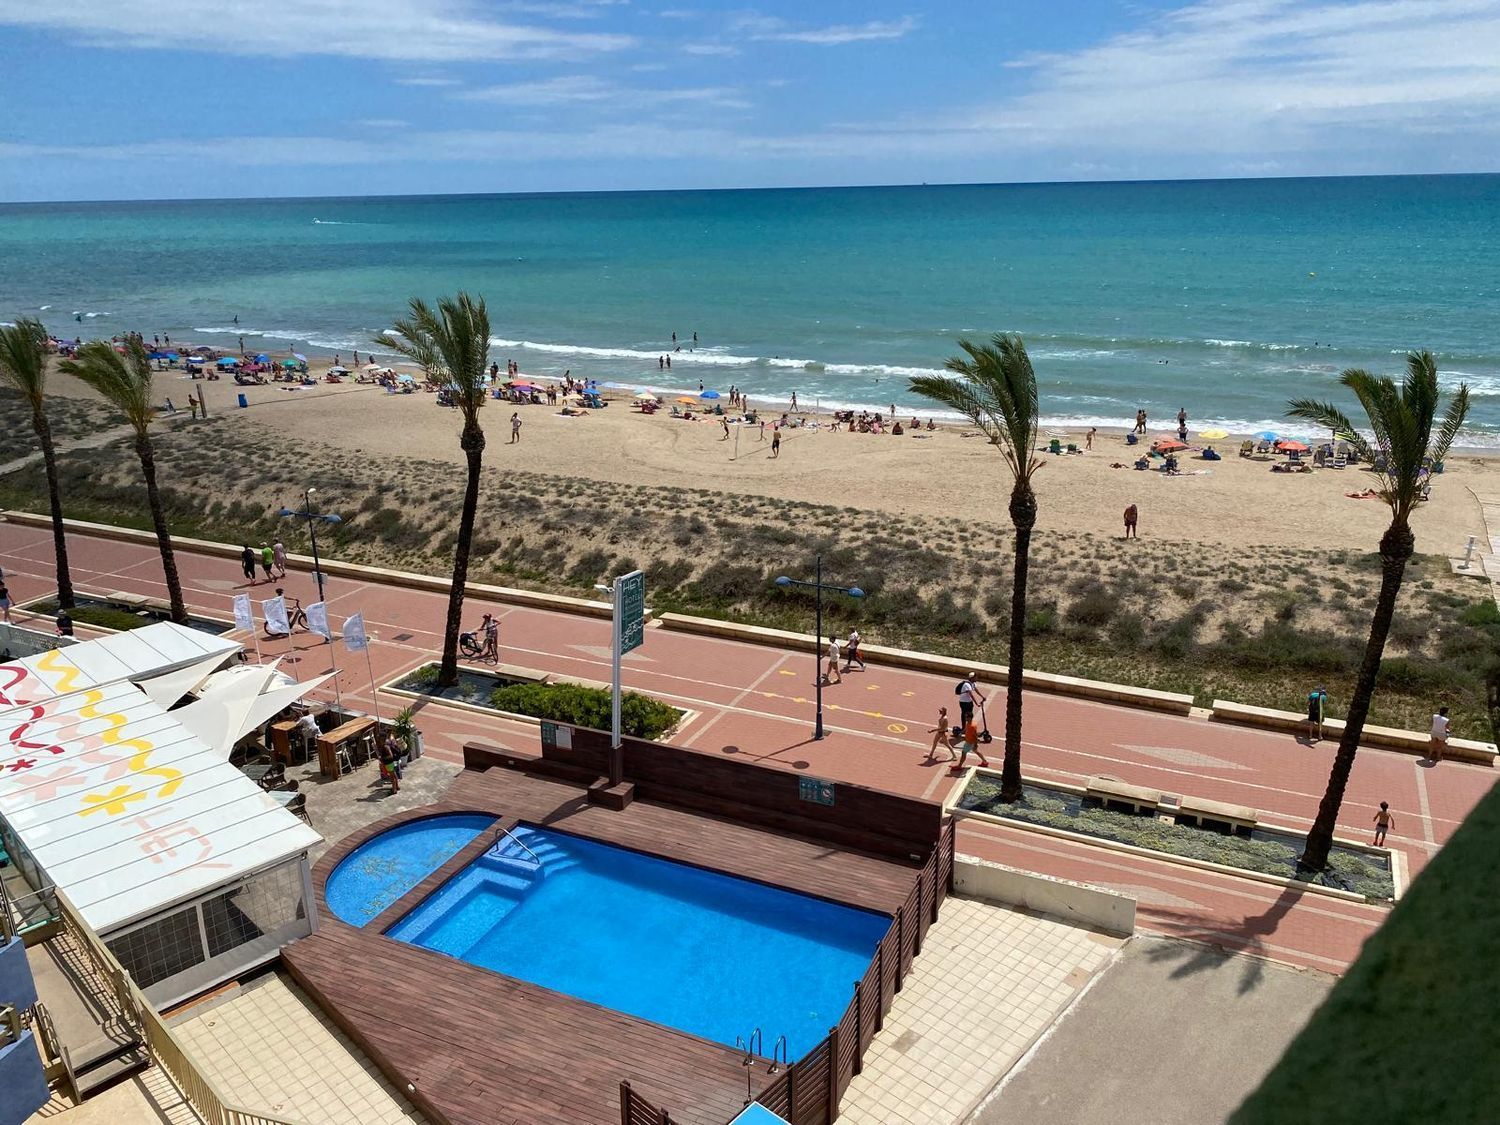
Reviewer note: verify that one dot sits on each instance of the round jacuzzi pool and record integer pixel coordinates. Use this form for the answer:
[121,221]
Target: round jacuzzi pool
[382,869]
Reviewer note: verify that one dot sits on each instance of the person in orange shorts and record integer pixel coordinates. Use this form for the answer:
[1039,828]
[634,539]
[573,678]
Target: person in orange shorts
[971,746]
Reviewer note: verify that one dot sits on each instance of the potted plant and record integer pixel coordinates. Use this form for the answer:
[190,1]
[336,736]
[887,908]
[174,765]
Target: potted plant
[405,727]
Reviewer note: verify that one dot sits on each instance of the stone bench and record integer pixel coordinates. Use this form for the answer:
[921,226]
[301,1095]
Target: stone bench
[1216,816]
[1120,796]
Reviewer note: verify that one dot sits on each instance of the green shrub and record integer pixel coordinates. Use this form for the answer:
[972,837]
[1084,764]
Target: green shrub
[1041,620]
[640,715]
[1095,606]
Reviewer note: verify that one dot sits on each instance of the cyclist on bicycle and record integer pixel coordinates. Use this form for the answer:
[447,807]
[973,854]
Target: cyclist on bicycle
[295,617]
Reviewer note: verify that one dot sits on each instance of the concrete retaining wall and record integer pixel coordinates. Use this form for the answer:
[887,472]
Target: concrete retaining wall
[1389,738]
[1077,903]
[335,569]
[942,665]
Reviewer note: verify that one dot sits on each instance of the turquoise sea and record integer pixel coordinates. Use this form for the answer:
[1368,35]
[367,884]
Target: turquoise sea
[1224,297]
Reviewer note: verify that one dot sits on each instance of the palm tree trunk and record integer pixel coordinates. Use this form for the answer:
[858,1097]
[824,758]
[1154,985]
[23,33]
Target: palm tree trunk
[1396,547]
[147,453]
[472,443]
[54,496]
[1023,515]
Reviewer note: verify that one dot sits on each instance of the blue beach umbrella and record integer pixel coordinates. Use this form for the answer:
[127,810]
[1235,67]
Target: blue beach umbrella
[229,361]
[262,358]
[1267,435]
[156,355]
[710,394]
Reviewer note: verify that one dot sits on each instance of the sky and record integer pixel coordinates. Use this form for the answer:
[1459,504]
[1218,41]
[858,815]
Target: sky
[132,99]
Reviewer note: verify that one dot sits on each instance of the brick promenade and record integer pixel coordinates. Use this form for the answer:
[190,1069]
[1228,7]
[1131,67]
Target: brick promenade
[756,701]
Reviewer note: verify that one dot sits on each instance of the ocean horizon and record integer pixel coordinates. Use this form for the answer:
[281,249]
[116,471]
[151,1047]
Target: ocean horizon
[1221,297]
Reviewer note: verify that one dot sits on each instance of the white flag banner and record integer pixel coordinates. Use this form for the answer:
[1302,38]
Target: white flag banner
[274,611]
[244,617]
[317,620]
[355,639]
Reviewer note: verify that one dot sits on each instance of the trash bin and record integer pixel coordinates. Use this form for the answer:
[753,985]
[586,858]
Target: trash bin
[244,402]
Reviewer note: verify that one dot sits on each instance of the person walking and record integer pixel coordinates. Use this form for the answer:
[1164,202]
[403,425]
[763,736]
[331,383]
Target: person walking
[971,746]
[5,602]
[832,675]
[247,562]
[266,560]
[776,444]
[1317,704]
[1088,438]
[941,736]
[1438,742]
[851,652]
[1131,515]
[1383,820]
[968,693]
[278,558]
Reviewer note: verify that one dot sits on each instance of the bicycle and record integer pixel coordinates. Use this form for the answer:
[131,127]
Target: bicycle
[296,617]
[474,647]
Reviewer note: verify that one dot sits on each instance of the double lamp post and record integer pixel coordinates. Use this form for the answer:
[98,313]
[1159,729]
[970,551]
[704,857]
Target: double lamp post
[819,586]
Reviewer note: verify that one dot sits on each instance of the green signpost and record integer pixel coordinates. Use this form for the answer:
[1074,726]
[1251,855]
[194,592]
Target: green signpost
[632,611]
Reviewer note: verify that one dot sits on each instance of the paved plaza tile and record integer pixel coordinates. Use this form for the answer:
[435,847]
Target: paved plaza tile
[989,981]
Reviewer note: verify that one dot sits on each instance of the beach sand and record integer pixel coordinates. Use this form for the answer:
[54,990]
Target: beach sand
[1234,505]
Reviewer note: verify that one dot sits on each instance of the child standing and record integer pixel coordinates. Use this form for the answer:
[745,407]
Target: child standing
[1383,820]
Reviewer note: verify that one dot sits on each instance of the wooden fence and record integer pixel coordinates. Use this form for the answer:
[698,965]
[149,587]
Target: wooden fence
[196,1088]
[808,1091]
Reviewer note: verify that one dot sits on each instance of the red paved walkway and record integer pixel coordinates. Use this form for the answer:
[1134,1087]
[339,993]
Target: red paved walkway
[757,701]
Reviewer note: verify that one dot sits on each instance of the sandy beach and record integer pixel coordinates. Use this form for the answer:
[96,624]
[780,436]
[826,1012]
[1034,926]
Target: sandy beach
[1236,504]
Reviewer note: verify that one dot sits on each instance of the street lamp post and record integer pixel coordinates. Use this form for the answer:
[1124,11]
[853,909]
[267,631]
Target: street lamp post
[818,585]
[312,519]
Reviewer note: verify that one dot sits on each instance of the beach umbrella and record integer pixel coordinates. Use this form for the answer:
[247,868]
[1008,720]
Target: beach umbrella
[710,394]
[338,371]
[299,356]
[289,363]
[156,355]
[689,399]
[1170,445]
[1266,435]
[1292,447]
[372,367]
[1213,435]
[647,396]
[229,361]
[405,378]
[263,358]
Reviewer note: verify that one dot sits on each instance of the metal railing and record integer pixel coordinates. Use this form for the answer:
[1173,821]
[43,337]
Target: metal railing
[808,1091]
[510,837]
[196,1087]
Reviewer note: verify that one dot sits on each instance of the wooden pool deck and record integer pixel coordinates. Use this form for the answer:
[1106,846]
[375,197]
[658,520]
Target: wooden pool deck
[479,1048]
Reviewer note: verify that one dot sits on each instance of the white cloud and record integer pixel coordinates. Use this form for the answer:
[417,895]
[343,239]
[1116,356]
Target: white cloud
[420,81]
[588,89]
[709,49]
[773,29]
[381,123]
[406,30]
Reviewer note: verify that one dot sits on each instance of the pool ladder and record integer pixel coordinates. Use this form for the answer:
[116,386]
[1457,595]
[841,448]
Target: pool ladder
[756,1045]
[505,834]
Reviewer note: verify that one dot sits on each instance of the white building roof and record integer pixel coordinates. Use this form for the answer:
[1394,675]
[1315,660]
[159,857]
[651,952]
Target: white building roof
[126,809]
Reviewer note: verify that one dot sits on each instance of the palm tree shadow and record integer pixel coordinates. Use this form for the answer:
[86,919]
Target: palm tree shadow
[1201,949]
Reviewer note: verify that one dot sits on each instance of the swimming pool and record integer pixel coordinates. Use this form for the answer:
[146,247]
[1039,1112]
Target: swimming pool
[709,954]
[382,869]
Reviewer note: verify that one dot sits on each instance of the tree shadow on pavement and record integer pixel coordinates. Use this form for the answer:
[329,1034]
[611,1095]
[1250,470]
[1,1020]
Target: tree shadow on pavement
[1201,948]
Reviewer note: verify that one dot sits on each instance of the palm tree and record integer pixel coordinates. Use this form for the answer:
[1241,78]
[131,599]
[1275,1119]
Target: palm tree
[125,382]
[997,392]
[23,364]
[1401,419]
[453,342]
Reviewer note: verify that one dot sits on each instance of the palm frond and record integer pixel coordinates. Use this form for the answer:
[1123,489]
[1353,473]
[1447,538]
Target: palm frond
[996,391]
[23,358]
[1401,419]
[450,342]
[122,380]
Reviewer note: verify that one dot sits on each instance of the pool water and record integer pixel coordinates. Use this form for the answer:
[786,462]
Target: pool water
[382,869]
[709,954]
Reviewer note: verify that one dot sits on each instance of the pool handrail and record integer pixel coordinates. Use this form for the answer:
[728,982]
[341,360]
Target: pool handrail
[507,834]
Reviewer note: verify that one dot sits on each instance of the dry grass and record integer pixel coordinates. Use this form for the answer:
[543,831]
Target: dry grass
[1264,628]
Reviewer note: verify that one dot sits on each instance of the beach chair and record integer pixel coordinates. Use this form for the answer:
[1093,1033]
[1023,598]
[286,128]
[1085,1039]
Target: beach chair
[1071,447]
[1247,447]
[1340,459]
[1054,446]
